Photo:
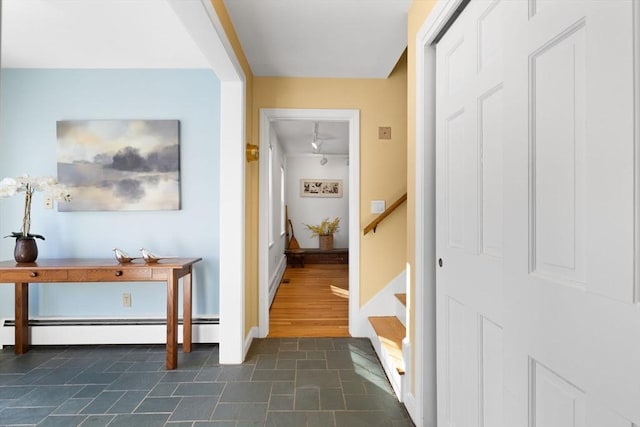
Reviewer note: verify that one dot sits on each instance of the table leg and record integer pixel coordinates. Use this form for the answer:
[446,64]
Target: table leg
[186,313]
[172,321]
[22,318]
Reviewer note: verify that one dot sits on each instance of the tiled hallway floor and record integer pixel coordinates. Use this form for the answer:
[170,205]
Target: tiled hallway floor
[284,382]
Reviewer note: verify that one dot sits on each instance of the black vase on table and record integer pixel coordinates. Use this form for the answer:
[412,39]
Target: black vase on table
[26,250]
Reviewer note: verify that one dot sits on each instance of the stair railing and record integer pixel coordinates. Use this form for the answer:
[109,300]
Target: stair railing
[374,224]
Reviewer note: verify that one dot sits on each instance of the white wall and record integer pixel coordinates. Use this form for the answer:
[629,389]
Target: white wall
[311,210]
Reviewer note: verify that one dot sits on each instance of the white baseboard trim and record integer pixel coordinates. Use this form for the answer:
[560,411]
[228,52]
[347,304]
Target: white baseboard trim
[81,334]
[400,309]
[274,282]
[253,333]
[408,398]
[410,404]
[382,304]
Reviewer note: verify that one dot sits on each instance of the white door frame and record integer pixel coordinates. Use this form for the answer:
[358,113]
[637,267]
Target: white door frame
[636,104]
[202,22]
[267,117]
[424,411]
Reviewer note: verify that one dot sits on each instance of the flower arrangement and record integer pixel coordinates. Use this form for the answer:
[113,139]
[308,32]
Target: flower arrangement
[28,185]
[326,227]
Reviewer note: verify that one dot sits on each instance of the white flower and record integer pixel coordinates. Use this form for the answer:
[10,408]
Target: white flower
[57,192]
[24,181]
[43,183]
[26,184]
[8,187]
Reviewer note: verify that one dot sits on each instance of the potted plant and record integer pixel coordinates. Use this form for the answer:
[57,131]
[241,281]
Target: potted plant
[26,249]
[325,231]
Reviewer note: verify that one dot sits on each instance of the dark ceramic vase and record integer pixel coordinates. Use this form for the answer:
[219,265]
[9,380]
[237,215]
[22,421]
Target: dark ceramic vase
[26,249]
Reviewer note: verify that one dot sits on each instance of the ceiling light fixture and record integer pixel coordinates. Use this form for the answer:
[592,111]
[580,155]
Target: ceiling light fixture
[315,143]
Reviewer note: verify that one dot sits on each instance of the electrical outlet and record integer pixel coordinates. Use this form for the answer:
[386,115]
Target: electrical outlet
[126,299]
[48,203]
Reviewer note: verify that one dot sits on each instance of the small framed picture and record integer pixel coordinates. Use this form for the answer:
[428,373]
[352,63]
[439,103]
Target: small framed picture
[320,188]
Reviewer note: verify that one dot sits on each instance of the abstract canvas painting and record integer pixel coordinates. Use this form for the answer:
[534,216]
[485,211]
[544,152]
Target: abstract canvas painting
[119,165]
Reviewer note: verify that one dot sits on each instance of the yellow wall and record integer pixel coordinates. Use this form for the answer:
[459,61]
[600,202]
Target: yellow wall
[251,178]
[382,102]
[418,13]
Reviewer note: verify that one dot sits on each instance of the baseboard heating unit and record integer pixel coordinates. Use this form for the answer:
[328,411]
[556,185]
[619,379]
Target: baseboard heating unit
[73,331]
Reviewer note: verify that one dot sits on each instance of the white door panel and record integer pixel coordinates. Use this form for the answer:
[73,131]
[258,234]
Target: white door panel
[490,140]
[490,366]
[554,402]
[459,339]
[557,175]
[537,308]
[456,189]
[469,122]
[569,312]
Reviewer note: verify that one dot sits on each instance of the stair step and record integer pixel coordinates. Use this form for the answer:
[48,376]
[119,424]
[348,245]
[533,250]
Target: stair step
[402,298]
[391,333]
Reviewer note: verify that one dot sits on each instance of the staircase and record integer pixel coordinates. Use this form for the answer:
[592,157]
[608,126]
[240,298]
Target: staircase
[388,334]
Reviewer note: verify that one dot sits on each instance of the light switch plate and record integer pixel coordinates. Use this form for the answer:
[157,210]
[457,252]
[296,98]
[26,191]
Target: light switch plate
[377,206]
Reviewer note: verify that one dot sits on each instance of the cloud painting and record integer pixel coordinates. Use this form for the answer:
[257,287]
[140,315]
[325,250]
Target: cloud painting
[120,165]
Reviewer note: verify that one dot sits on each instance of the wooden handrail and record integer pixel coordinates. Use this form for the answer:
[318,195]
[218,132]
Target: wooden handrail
[385,214]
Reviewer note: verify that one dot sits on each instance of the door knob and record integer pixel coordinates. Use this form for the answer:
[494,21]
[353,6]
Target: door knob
[440,262]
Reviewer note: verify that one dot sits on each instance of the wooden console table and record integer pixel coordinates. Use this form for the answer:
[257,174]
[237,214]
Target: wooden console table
[168,270]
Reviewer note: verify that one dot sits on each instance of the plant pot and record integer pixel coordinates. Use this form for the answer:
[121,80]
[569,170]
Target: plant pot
[326,241]
[26,249]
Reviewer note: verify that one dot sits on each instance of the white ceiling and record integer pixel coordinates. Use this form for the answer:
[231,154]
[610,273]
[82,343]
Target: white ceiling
[321,38]
[295,136]
[95,34]
[301,38]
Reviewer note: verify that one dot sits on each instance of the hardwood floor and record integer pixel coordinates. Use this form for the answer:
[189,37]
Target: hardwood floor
[315,302]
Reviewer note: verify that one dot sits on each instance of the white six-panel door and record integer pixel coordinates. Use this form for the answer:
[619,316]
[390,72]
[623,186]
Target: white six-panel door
[469,121]
[538,322]
[571,319]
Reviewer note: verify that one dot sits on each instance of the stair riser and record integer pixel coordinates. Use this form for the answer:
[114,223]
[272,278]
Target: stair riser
[401,313]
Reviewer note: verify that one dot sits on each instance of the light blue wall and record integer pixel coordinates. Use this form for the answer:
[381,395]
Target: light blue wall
[31,103]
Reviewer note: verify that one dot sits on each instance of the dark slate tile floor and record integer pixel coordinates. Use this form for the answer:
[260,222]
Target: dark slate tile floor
[284,382]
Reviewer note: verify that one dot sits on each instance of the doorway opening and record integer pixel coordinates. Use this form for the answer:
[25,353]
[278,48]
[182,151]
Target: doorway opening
[304,184]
